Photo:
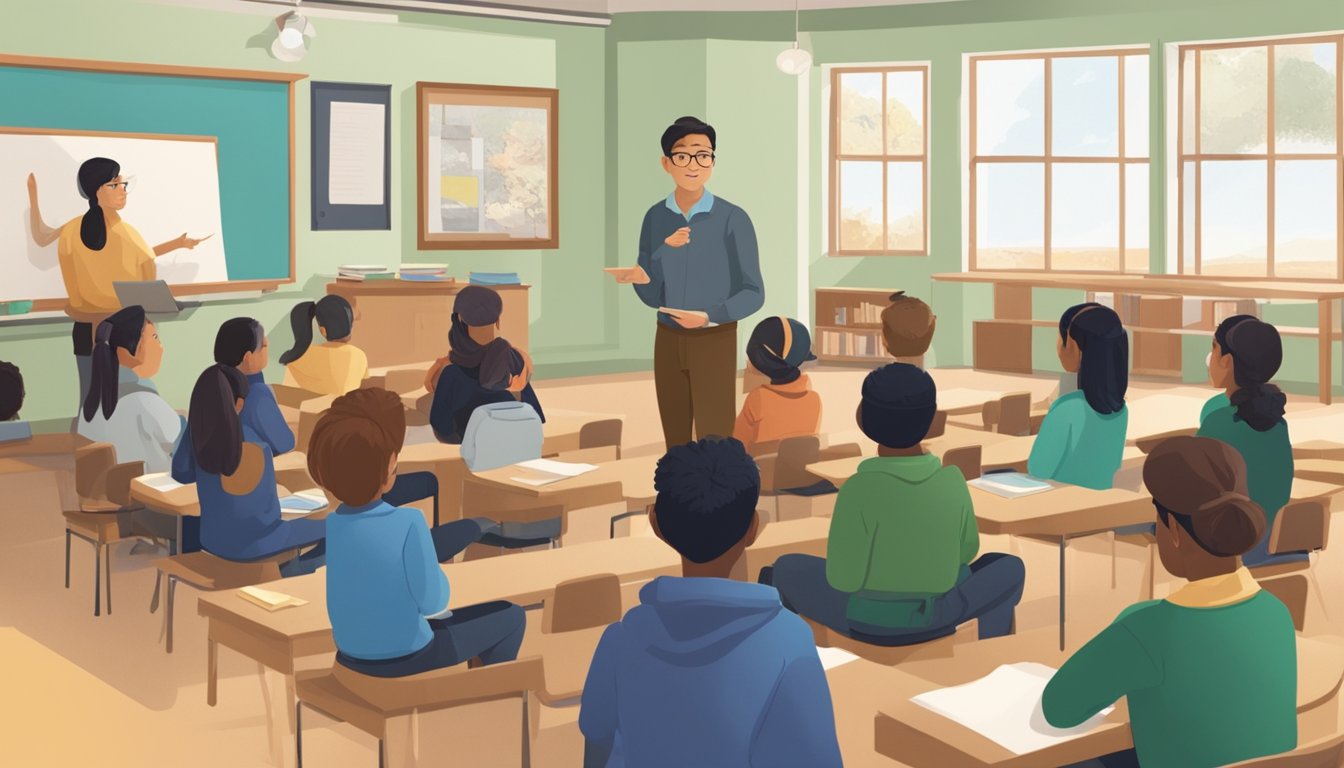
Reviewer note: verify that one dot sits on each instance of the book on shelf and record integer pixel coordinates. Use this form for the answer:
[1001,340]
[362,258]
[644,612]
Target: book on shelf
[494,278]
[415,277]
[842,315]
[423,269]
[1225,309]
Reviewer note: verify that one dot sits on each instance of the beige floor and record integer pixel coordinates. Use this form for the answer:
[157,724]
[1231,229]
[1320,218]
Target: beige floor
[85,691]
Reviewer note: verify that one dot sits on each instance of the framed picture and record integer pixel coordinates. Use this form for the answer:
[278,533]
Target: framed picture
[486,161]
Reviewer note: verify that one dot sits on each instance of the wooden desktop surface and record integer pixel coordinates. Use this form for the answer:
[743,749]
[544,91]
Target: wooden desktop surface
[1174,285]
[919,737]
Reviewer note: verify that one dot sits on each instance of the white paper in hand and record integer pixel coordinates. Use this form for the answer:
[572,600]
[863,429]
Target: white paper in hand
[161,482]
[1005,707]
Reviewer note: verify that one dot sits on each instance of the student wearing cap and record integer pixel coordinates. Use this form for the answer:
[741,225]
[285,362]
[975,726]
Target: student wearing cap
[1248,415]
[907,328]
[786,406]
[481,366]
[1210,673]
[699,267]
[901,565]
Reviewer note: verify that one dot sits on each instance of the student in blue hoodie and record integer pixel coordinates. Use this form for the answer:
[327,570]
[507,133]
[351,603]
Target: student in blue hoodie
[707,671]
[387,597]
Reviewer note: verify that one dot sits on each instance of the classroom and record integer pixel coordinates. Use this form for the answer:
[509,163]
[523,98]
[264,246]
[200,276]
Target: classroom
[604,383]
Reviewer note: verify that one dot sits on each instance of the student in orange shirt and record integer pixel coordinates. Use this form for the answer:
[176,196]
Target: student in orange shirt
[786,406]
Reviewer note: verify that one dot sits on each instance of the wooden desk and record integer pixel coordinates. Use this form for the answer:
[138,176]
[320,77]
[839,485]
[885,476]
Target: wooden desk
[1159,414]
[921,738]
[399,321]
[46,444]
[1012,303]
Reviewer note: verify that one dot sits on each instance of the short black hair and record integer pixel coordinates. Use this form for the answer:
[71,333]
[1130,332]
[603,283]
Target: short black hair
[237,337]
[898,405]
[687,126]
[11,390]
[707,494]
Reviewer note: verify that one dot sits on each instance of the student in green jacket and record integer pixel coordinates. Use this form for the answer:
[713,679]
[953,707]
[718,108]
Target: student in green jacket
[900,564]
[1248,416]
[1211,671]
[1082,440]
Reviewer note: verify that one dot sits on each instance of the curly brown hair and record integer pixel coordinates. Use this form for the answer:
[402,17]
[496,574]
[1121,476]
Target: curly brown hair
[353,442]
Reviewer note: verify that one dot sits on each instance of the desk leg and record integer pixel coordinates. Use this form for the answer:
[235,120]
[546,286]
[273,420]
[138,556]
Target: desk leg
[1063,595]
[211,670]
[1324,308]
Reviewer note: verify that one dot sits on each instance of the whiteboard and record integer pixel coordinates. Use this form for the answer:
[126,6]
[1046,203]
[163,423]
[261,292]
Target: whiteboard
[174,189]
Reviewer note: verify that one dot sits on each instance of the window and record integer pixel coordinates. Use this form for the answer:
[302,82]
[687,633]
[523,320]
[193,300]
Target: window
[1261,163]
[879,161]
[1059,161]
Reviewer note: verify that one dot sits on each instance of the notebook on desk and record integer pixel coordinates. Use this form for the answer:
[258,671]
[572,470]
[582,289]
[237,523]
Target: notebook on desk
[1005,707]
[1010,485]
[14,431]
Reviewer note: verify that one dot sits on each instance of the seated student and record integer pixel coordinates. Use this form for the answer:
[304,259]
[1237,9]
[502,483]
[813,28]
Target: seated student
[786,406]
[707,671]
[123,406]
[11,400]
[901,564]
[235,480]
[1082,440]
[481,367]
[1211,671]
[1248,416]
[907,328]
[335,367]
[387,597]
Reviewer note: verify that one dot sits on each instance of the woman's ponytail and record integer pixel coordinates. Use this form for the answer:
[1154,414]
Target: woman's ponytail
[1261,405]
[106,371]
[93,174]
[301,320]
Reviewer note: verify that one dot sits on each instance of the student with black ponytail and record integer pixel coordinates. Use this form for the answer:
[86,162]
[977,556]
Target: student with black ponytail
[481,367]
[235,480]
[97,249]
[1248,415]
[123,407]
[1082,440]
[335,367]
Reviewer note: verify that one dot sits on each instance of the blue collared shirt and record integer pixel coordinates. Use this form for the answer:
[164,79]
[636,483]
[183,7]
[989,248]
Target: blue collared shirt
[704,205]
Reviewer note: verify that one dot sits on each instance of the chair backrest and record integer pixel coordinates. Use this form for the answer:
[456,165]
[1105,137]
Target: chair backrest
[1302,526]
[404,380]
[1015,414]
[443,688]
[1292,592]
[1322,753]
[939,426]
[309,414]
[966,458]
[601,440]
[582,603]
[795,453]
[92,463]
[500,434]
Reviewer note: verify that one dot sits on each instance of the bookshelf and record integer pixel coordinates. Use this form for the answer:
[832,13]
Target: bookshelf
[849,325]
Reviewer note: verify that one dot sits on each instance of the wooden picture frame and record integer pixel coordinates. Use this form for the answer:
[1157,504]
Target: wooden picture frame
[461,202]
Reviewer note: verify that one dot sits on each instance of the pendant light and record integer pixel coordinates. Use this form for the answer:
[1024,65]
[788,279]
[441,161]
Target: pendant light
[794,61]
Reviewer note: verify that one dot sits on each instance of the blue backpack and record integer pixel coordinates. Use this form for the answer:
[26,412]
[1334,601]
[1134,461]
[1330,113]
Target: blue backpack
[500,434]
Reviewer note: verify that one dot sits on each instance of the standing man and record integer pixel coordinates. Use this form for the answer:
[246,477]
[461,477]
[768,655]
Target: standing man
[699,267]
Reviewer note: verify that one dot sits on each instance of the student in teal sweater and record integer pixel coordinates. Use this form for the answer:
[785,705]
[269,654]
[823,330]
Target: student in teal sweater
[1248,416]
[900,564]
[1211,671]
[1082,440]
[387,597]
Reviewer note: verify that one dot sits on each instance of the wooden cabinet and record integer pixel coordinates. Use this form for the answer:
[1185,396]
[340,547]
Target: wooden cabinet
[399,322]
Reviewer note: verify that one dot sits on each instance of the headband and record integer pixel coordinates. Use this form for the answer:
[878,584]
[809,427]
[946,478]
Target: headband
[788,340]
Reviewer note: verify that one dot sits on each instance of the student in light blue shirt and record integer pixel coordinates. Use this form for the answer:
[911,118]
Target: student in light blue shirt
[1082,440]
[387,597]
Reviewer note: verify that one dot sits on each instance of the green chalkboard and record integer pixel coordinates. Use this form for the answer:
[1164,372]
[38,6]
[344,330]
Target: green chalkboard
[250,119]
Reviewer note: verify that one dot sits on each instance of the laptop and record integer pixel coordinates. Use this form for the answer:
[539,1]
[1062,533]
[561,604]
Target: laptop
[153,295]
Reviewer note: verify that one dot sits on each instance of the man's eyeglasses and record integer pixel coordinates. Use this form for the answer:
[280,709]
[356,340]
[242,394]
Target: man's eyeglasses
[683,159]
[125,185]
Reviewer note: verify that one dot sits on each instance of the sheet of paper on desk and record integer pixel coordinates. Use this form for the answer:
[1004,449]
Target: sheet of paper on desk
[834,657]
[161,482]
[271,601]
[561,468]
[1005,707]
[1010,485]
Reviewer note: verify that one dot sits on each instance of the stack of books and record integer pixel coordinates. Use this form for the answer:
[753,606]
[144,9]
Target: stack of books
[360,272]
[425,272]
[494,278]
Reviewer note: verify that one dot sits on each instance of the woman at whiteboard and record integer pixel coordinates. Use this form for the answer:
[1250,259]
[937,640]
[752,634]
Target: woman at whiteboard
[96,250]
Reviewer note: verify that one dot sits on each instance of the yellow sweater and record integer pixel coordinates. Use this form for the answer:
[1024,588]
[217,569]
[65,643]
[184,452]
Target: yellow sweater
[89,274]
[333,368]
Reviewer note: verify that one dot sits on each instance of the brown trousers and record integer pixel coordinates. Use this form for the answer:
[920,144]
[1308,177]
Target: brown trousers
[695,373]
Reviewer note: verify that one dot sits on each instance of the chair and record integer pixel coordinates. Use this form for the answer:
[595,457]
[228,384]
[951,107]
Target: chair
[582,603]
[966,458]
[599,441]
[309,414]
[1302,526]
[939,426]
[290,396]
[1322,753]
[1015,414]
[209,573]
[104,490]
[368,702]
[785,472]
[1147,444]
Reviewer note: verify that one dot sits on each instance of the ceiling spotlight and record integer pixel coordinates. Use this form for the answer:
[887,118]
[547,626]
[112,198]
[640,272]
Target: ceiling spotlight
[291,43]
[795,60]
